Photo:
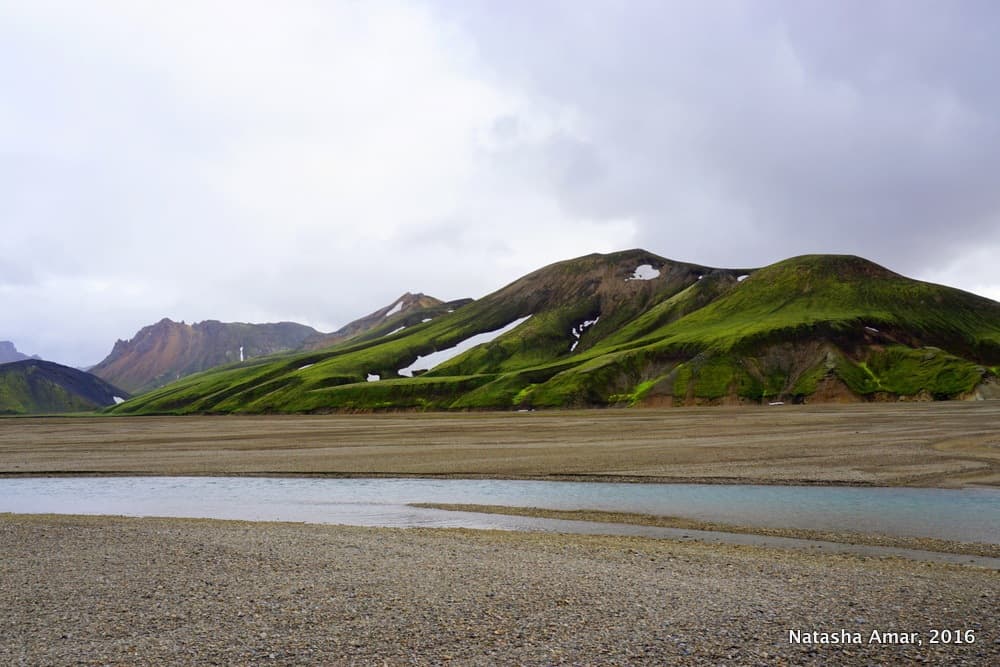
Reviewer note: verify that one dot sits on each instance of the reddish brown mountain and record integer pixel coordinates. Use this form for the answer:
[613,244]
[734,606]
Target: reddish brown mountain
[168,350]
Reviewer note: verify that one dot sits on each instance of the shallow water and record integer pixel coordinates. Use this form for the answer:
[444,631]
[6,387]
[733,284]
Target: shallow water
[952,514]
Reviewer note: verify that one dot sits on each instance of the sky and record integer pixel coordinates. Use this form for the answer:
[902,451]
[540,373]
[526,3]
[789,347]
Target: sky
[311,161]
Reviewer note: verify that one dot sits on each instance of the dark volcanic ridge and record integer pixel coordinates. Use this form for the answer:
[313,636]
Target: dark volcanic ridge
[33,386]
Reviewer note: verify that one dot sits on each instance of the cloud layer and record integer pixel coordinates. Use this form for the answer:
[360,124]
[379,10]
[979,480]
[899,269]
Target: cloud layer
[311,161]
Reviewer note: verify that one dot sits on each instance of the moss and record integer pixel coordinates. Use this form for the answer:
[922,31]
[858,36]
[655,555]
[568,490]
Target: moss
[808,381]
[682,379]
[906,371]
[703,338]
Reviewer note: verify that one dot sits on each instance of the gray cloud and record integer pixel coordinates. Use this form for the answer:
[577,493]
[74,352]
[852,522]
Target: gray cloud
[311,162]
[853,127]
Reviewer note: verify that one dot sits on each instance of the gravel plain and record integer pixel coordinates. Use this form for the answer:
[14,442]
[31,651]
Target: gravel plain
[125,591]
[945,443]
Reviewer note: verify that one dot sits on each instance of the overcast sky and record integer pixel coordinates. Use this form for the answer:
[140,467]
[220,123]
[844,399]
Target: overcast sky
[310,161]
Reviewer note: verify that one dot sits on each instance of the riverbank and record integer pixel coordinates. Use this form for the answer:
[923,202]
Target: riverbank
[942,444]
[99,590]
[630,518]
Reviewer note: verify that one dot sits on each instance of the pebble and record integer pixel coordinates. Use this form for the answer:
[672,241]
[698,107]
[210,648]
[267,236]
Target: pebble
[183,592]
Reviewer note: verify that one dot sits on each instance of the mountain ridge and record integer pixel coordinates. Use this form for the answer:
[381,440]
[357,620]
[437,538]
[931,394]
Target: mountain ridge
[166,351]
[34,386]
[635,328]
[9,353]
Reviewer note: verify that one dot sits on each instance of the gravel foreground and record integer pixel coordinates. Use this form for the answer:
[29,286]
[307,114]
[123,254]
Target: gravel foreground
[120,591]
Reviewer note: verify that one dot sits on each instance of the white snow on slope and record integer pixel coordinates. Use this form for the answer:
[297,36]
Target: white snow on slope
[427,319]
[302,368]
[117,399]
[374,377]
[644,272]
[395,309]
[436,358]
[396,331]
[740,279]
[577,331]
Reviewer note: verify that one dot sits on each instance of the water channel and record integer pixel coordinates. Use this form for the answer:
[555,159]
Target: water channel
[971,514]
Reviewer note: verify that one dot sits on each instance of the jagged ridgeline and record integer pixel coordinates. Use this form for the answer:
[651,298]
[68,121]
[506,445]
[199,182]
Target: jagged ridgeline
[633,328]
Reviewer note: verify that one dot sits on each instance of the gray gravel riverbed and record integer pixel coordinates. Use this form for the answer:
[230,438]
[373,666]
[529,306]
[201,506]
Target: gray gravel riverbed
[118,591]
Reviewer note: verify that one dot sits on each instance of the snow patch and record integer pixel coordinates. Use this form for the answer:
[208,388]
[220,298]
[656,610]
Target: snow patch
[396,331]
[578,330]
[435,359]
[118,400]
[740,279]
[700,277]
[241,353]
[872,329]
[426,319]
[395,309]
[373,377]
[302,368]
[644,272]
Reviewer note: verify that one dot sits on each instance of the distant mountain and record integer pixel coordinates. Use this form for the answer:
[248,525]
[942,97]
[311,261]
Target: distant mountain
[9,353]
[406,311]
[634,328]
[168,350]
[33,386]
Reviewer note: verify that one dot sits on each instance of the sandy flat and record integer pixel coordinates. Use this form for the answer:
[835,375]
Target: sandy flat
[923,444]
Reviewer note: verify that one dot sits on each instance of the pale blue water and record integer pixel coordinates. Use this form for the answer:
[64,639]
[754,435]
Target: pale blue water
[953,514]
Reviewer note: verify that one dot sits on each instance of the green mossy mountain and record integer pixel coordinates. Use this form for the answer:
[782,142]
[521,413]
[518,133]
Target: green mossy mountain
[604,330]
[42,387]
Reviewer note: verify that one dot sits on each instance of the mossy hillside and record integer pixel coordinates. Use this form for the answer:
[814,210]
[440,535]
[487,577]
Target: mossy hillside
[651,325]
[557,297]
[423,393]
[18,396]
[33,386]
[778,334]
[904,371]
[840,294]
[282,377]
[408,318]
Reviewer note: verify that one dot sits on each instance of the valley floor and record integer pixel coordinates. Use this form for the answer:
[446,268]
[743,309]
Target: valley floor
[111,590]
[101,590]
[920,444]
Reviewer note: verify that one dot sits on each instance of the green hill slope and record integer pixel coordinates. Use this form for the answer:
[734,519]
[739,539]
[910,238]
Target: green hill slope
[42,387]
[635,328]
